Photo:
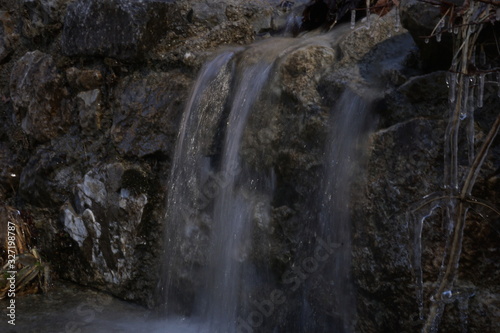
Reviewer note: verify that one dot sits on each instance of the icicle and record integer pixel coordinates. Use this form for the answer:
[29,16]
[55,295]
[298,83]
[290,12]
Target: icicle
[473,81]
[415,219]
[471,153]
[353,18]
[446,296]
[368,23]
[442,23]
[471,105]
[454,63]
[452,86]
[398,20]
[416,225]
[498,80]
[455,30]
[426,41]
[465,99]
[439,29]
[470,124]
[480,91]
[482,57]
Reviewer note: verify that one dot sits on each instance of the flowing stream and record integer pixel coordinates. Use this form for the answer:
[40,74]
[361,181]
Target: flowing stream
[216,199]
[346,133]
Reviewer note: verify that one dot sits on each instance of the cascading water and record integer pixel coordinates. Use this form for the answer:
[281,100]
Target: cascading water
[348,125]
[216,199]
[233,209]
[188,172]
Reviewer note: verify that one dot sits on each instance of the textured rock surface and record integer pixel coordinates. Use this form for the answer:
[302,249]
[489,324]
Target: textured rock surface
[421,19]
[38,94]
[104,223]
[91,95]
[65,119]
[146,113]
[118,28]
[7,36]
[397,175]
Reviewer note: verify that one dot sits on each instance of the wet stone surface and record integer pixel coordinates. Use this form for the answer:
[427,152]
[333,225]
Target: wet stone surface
[118,28]
[91,99]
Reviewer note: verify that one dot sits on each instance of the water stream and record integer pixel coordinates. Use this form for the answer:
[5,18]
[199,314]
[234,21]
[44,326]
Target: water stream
[220,205]
[216,199]
[346,133]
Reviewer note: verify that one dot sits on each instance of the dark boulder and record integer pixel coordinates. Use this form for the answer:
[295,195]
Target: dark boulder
[38,96]
[117,28]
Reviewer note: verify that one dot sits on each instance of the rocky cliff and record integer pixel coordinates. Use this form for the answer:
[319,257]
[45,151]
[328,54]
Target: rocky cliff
[91,96]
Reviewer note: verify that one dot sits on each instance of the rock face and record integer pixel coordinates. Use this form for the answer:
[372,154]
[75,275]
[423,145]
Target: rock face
[118,29]
[93,96]
[90,107]
[147,111]
[6,35]
[104,221]
[38,96]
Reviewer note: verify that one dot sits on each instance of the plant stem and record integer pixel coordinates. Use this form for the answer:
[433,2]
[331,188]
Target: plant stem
[479,160]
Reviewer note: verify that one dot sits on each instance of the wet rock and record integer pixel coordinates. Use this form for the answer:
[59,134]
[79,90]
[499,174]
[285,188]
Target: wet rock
[406,165]
[40,18]
[7,35]
[9,177]
[397,176]
[259,14]
[379,53]
[4,45]
[44,179]
[208,13]
[38,95]
[420,19]
[315,15]
[196,49]
[86,79]
[211,13]
[421,96]
[119,29]
[46,11]
[90,110]
[428,87]
[302,70]
[147,113]
[103,219]
[107,234]
[209,24]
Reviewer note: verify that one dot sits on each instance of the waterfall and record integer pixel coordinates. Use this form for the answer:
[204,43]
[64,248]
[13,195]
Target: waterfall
[233,209]
[216,199]
[348,124]
[189,170]
[213,195]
